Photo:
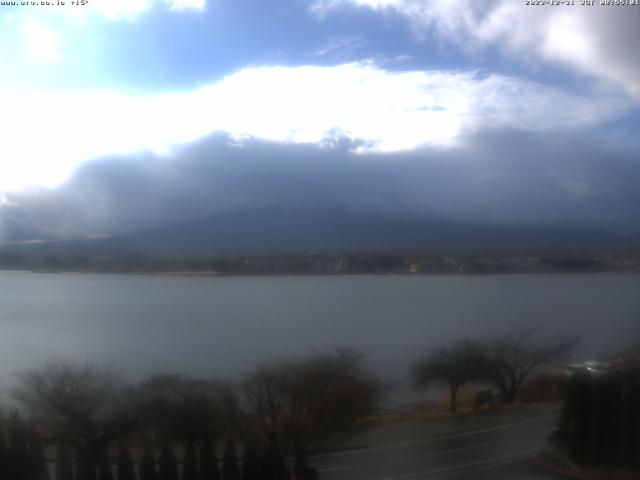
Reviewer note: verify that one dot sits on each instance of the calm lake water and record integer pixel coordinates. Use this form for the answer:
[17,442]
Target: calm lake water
[224,326]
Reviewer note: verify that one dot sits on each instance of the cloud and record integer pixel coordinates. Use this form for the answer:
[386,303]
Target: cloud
[127,10]
[596,40]
[47,134]
[40,41]
[130,9]
[118,9]
[500,176]
[323,7]
[186,4]
[340,45]
[44,33]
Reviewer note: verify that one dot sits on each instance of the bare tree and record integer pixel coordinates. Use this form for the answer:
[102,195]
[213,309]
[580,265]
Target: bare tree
[37,459]
[299,407]
[86,404]
[183,409]
[455,366]
[512,358]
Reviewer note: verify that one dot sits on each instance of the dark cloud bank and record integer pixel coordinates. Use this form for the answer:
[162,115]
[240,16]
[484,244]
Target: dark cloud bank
[503,178]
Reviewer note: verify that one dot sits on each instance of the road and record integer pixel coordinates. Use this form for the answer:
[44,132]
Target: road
[499,452]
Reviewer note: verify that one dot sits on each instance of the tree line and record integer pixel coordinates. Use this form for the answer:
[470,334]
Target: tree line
[169,427]
[324,263]
[96,426]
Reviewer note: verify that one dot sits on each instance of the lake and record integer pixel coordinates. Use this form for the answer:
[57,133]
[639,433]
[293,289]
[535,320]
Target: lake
[224,326]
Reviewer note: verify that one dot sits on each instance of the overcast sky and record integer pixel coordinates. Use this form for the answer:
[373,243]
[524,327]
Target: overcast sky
[124,114]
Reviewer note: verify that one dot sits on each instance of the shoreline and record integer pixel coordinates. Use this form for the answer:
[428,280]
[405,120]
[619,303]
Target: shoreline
[213,273]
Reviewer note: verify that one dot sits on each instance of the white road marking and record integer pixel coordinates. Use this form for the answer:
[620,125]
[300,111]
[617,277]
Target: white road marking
[437,454]
[483,468]
[334,469]
[433,440]
[504,459]
[463,449]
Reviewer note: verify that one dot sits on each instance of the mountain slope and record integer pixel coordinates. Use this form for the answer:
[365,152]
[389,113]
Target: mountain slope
[292,230]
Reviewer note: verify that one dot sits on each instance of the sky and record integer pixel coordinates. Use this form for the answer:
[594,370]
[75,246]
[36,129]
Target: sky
[117,115]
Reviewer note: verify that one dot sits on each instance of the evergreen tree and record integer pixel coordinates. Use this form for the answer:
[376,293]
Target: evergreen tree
[148,464]
[230,462]
[267,468]
[18,452]
[125,468]
[209,469]
[190,463]
[4,452]
[104,468]
[38,469]
[63,465]
[601,418]
[272,466]
[168,464]
[250,464]
[85,468]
